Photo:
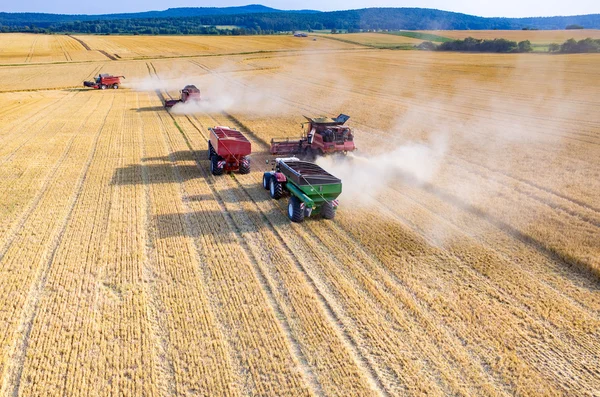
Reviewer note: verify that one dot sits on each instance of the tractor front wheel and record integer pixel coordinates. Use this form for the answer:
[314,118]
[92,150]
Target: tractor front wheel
[266,181]
[103,87]
[327,211]
[275,189]
[295,210]
[214,166]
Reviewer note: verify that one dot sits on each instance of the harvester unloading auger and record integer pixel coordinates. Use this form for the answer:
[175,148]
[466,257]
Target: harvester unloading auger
[323,135]
[188,93]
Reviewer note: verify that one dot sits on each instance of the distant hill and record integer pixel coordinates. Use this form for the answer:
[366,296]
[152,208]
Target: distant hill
[26,18]
[254,19]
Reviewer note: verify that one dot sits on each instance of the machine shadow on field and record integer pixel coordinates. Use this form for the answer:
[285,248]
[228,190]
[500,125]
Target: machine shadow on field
[149,109]
[210,222]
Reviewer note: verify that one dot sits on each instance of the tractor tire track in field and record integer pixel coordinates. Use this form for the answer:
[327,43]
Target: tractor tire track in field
[155,309]
[20,221]
[12,378]
[32,133]
[266,286]
[534,185]
[373,267]
[83,43]
[31,50]
[586,343]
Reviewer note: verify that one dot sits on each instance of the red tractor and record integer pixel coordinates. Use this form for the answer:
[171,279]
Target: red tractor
[104,81]
[228,150]
[189,93]
[323,135]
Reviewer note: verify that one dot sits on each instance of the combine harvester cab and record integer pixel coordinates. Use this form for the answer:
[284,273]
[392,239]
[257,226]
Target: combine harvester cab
[228,150]
[310,187]
[188,93]
[104,81]
[323,135]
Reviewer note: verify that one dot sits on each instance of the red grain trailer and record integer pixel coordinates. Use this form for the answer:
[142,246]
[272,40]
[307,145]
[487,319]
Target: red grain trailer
[228,150]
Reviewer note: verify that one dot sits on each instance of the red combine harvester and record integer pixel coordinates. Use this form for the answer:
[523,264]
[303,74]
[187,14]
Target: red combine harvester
[189,93]
[228,150]
[104,81]
[323,135]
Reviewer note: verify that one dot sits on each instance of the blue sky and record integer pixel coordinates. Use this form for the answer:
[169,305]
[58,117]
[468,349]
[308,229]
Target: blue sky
[504,8]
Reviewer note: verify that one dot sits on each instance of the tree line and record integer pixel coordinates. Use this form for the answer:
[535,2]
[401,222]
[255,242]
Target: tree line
[471,44]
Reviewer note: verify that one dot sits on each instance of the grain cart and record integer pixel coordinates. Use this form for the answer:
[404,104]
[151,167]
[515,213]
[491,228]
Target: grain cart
[104,81]
[188,93]
[323,135]
[228,150]
[310,187]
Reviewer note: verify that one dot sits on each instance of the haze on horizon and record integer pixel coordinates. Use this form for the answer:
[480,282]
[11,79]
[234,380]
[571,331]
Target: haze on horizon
[507,8]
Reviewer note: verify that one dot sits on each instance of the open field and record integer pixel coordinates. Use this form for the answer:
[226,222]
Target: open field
[464,258]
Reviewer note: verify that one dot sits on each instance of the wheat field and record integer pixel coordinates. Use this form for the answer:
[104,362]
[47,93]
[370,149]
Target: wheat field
[464,258]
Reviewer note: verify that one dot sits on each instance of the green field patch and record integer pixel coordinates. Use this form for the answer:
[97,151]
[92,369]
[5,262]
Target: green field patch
[421,36]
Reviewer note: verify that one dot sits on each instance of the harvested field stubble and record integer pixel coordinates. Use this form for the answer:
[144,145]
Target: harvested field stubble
[464,258]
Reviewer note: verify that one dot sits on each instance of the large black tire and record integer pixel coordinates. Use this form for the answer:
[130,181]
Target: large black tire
[327,211]
[211,151]
[266,181]
[245,169]
[214,166]
[115,86]
[103,87]
[275,189]
[295,210]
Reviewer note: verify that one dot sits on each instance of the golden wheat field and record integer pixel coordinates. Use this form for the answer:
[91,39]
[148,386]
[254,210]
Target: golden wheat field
[464,258]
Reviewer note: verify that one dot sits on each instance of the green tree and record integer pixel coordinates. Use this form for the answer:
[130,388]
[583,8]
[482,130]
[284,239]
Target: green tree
[525,46]
[554,47]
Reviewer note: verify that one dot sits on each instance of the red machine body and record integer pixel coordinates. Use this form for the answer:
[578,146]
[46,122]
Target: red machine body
[104,81]
[228,149]
[323,135]
[188,93]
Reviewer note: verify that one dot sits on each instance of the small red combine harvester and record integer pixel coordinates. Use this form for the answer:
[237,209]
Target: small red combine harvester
[189,93]
[323,135]
[104,81]
[228,150]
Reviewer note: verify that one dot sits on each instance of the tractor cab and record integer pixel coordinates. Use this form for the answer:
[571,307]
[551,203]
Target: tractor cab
[328,130]
[190,92]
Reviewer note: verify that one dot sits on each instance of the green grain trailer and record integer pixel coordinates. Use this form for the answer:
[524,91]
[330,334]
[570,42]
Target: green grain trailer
[310,187]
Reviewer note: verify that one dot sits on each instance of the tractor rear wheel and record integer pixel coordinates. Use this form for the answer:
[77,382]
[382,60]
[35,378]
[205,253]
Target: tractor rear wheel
[115,86]
[295,210]
[214,166]
[275,188]
[266,181]
[327,211]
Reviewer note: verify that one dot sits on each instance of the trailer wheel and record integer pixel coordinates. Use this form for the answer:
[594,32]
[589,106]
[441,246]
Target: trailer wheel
[327,211]
[295,210]
[245,168]
[115,86]
[275,189]
[214,166]
[103,87]
[266,181]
